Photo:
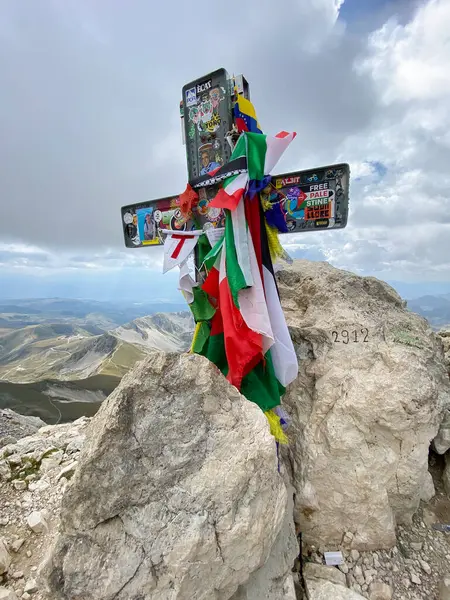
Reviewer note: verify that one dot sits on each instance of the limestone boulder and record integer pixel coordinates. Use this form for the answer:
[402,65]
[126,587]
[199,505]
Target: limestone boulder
[176,495]
[369,399]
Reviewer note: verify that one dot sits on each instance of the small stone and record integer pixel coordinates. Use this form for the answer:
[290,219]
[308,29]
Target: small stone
[417,546]
[348,538]
[344,568]
[26,596]
[314,571]
[425,567]
[444,588]
[67,471]
[5,558]
[17,545]
[7,594]
[29,554]
[51,462]
[415,579]
[395,569]
[15,460]
[318,559]
[406,582]
[380,591]
[376,563]
[36,522]
[355,555]
[19,485]
[429,518]
[4,521]
[31,586]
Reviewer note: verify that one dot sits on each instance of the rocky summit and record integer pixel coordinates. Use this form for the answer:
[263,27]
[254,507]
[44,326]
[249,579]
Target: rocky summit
[370,396]
[174,489]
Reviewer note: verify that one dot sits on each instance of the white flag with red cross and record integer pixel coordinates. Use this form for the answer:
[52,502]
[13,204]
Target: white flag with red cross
[178,245]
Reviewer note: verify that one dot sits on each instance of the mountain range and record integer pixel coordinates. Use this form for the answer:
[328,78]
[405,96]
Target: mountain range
[60,358]
[436,309]
[59,371]
[93,316]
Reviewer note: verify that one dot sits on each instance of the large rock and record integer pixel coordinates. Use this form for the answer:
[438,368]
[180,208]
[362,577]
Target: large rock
[177,493]
[273,581]
[369,399]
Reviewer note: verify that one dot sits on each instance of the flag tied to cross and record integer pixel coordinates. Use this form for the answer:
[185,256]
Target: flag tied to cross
[247,337]
[178,246]
[240,325]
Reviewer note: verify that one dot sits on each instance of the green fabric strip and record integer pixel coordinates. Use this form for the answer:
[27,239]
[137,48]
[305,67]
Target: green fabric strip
[201,307]
[235,276]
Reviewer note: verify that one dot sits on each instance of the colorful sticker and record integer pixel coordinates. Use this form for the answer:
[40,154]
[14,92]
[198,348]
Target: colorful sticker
[204,113]
[295,202]
[148,229]
[208,158]
[191,97]
[131,229]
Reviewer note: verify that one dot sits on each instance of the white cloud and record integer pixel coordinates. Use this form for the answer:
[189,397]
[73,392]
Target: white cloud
[411,62]
[92,123]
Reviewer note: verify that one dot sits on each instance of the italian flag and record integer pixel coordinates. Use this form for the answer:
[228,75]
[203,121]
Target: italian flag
[248,339]
[262,152]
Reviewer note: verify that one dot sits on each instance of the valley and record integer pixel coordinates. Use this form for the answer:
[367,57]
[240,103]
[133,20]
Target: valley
[63,370]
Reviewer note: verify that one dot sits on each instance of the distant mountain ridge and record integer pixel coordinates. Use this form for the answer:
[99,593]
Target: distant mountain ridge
[52,369]
[94,316]
[436,309]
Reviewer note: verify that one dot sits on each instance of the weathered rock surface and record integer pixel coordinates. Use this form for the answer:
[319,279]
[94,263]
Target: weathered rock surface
[446,475]
[315,571]
[7,594]
[5,558]
[380,591]
[14,426]
[368,401]
[444,590]
[270,581]
[320,589]
[176,494]
[441,443]
[445,337]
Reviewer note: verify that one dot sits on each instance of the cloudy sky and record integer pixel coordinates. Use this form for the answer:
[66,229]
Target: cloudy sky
[89,121]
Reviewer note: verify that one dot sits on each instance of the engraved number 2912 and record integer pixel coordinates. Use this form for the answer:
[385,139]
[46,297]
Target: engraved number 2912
[345,337]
